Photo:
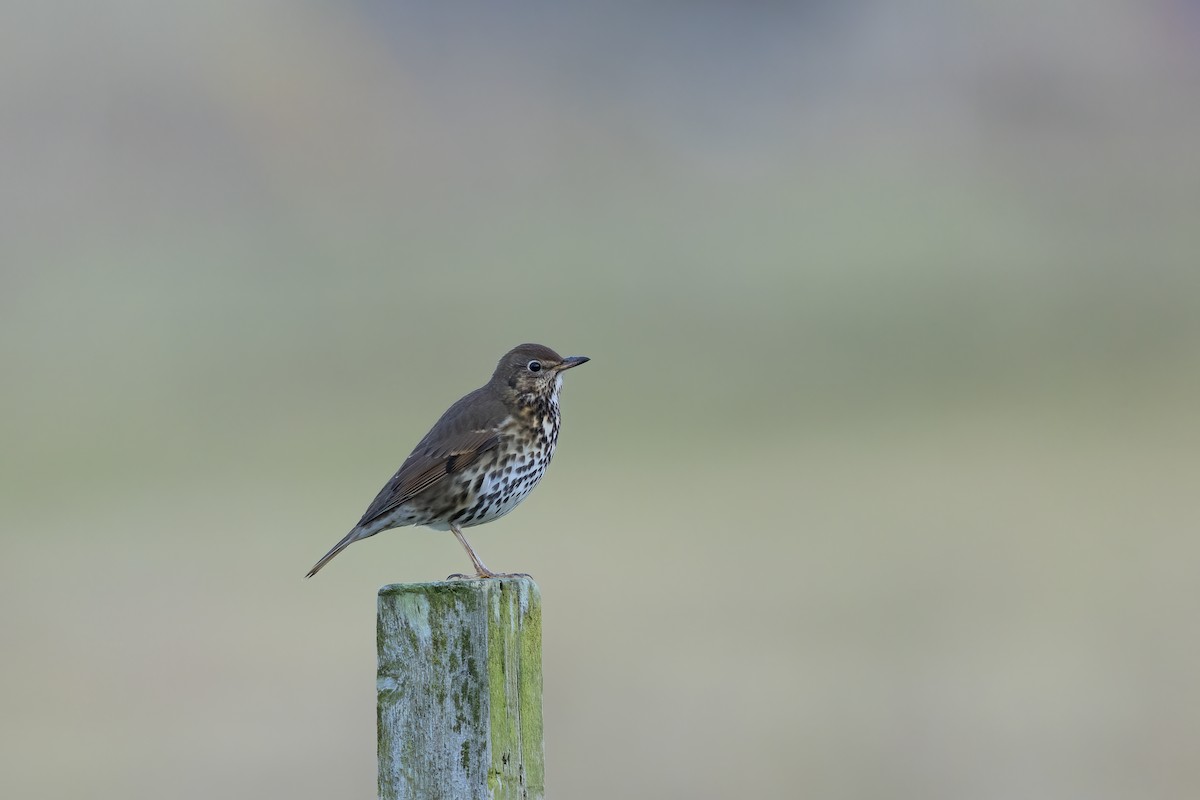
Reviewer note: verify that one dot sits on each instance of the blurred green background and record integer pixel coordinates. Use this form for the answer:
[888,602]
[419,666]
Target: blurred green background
[882,481]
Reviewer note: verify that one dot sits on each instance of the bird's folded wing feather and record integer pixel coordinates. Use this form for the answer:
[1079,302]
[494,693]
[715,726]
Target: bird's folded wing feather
[427,465]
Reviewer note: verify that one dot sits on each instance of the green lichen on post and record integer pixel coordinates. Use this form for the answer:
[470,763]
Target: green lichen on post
[515,680]
[460,690]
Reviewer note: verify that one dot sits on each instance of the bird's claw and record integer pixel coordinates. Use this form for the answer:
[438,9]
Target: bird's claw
[489,575]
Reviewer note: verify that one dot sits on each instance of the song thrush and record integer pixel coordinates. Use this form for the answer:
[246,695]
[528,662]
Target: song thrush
[481,459]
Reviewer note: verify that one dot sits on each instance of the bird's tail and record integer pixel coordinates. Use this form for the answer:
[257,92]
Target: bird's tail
[350,538]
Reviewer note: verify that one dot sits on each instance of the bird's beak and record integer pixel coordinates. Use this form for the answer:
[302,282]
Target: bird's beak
[572,361]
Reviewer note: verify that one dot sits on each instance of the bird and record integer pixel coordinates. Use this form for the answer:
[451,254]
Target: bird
[480,460]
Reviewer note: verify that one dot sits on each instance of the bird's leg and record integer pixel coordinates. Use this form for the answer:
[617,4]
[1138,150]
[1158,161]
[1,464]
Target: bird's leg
[481,570]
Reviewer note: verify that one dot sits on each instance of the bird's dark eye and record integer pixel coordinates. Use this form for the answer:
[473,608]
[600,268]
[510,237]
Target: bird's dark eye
[534,366]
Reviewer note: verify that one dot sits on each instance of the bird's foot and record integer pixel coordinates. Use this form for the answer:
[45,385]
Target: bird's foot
[487,574]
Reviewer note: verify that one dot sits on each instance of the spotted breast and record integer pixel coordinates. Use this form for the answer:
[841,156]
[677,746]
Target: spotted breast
[528,437]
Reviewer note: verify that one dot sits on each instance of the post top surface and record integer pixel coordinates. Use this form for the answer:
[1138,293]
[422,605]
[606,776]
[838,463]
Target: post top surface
[460,586]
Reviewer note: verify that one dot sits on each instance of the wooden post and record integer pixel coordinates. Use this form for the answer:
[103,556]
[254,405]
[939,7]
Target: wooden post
[460,691]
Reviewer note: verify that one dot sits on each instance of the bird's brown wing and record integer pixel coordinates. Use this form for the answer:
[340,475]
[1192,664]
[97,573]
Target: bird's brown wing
[427,465]
[467,430]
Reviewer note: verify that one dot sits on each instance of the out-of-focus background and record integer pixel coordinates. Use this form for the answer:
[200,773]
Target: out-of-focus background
[882,481]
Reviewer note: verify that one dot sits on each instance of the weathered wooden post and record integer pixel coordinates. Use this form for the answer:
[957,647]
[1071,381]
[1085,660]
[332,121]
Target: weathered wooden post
[460,690]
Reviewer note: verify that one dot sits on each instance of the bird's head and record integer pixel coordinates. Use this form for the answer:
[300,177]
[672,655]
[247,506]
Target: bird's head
[532,370]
